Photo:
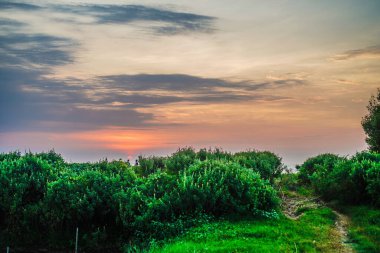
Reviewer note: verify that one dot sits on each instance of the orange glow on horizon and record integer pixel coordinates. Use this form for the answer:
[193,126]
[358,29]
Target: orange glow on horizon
[122,140]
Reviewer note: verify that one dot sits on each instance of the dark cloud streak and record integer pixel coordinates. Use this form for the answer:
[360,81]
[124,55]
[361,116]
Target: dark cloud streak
[21,6]
[373,51]
[186,83]
[18,48]
[162,21]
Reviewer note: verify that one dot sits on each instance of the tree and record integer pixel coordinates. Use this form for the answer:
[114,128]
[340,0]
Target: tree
[371,123]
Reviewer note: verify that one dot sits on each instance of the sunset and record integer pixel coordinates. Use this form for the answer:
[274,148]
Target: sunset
[291,77]
[96,80]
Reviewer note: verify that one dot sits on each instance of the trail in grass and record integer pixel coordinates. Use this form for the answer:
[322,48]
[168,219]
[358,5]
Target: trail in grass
[293,205]
[341,225]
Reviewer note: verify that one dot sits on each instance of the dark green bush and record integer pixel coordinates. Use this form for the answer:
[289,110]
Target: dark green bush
[149,165]
[43,199]
[23,182]
[266,163]
[373,183]
[219,187]
[321,162]
[180,160]
[352,181]
[333,181]
[10,156]
[51,157]
[213,154]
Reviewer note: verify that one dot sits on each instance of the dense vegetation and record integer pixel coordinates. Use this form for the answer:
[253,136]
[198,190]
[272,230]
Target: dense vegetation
[122,208]
[117,206]
[354,180]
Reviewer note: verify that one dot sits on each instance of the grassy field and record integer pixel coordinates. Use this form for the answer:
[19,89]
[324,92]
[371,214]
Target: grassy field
[312,232]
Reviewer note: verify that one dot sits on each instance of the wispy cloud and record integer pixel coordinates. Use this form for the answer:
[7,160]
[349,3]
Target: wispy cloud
[29,100]
[161,21]
[5,22]
[17,5]
[186,83]
[18,48]
[368,52]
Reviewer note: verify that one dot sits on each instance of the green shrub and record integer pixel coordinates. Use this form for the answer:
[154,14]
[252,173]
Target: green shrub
[211,187]
[335,183]
[351,181]
[373,183]
[213,154]
[23,182]
[10,156]
[51,157]
[180,160]
[266,163]
[219,187]
[43,199]
[367,155]
[323,163]
[149,165]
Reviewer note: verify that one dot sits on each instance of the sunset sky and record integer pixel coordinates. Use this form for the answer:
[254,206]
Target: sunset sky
[116,79]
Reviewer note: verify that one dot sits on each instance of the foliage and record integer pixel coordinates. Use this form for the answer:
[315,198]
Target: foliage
[318,163]
[267,164]
[349,180]
[149,165]
[43,199]
[219,187]
[371,123]
[373,183]
[180,160]
[10,156]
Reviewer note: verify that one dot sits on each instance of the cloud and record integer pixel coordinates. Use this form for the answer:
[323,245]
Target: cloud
[369,52]
[21,6]
[160,21]
[9,23]
[29,100]
[41,49]
[188,83]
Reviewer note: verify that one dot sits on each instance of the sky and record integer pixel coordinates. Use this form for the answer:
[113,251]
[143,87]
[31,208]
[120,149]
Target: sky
[118,79]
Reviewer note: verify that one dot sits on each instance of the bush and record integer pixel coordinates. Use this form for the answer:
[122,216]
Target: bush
[219,188]
[267,164]
[23,182]
[373,183]
[149,165]
[43,199]
[352,181]
[323,163]
[10,156]
[180,160]
[334,183]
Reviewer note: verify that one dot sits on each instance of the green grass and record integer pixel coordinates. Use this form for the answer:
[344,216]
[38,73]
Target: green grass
[311,233]
[364,229]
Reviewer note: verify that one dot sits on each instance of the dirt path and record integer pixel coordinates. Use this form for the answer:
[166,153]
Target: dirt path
[341,226]
[294,205]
